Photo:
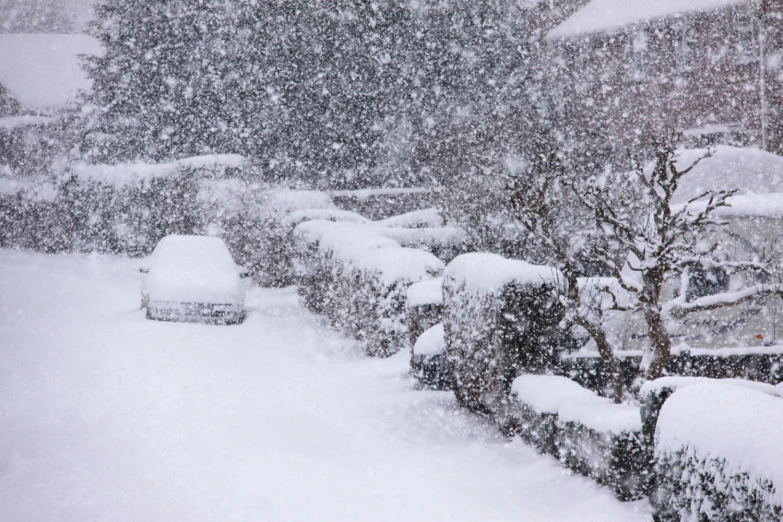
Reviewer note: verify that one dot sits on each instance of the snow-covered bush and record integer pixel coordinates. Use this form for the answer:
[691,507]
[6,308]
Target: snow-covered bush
[425,218]
[379,204]
[499,316]
[424,304]
[653,395]
[428,359]
[603,440]
[589,434]
[718,455]
[359,278]
[384,277]
[253,219]
[533,406]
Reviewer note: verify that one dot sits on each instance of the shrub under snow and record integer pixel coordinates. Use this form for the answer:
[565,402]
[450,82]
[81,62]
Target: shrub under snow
[428,360]
[359,279]
[719,455]
[424,304]
[499,316]
[589,434]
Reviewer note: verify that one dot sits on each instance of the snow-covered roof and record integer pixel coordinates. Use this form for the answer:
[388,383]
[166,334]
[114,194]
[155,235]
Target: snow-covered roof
[755,174]
[132,172]
[608,15]
[13,122]
[749,170]
[43,70]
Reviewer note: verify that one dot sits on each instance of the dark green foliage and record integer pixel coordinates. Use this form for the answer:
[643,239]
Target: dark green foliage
[88,215]
[689,487]
[422,318]
[619,461]
[432,371]
[337,93]
[492,338]
[536,428]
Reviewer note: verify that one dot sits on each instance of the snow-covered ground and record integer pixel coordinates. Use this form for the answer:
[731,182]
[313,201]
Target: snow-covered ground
[107,416]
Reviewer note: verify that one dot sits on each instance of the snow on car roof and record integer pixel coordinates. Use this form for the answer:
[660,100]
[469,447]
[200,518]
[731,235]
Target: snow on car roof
[608,15]
[192,250]
[44,70]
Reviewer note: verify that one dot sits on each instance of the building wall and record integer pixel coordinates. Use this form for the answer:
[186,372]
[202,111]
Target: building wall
[683,72]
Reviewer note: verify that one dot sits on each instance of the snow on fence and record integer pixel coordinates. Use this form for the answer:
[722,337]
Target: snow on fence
[719,455]
[499,318]
[589,434]
[756,363]
[359,279]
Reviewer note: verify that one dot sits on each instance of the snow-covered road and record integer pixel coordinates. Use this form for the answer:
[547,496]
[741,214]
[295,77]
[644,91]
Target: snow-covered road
[106,416]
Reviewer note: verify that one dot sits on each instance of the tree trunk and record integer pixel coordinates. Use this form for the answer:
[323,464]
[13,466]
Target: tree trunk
[598,334]
[661,343]
[607,354]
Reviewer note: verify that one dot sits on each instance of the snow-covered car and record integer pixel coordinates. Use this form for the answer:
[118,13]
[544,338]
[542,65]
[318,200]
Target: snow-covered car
[193,278]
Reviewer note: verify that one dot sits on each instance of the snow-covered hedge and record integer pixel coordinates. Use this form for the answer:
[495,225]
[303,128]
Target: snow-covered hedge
[126,209]
[499,318]
[719,455]
[428,359]
[425,218]
[533,406]
[424,304]
[378,204]
[86,215]
[359,279]
[653,395]
[589,434]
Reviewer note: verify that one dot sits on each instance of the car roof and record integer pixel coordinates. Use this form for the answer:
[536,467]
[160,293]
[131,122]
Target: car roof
[191,249]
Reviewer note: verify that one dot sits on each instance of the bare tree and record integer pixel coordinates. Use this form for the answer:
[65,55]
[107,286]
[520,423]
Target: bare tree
[540,198]
[634,213]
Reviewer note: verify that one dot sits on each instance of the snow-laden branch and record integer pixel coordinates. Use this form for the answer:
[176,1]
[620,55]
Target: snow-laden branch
[679,307]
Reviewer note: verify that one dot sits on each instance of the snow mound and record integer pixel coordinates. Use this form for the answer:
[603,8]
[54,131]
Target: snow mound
[396,264]
[425,293]
[721,421]
[547,393]
[489,273]
[351,240]
[426,218]
[349,243]
[44,70]
[431,342]
[441,237]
